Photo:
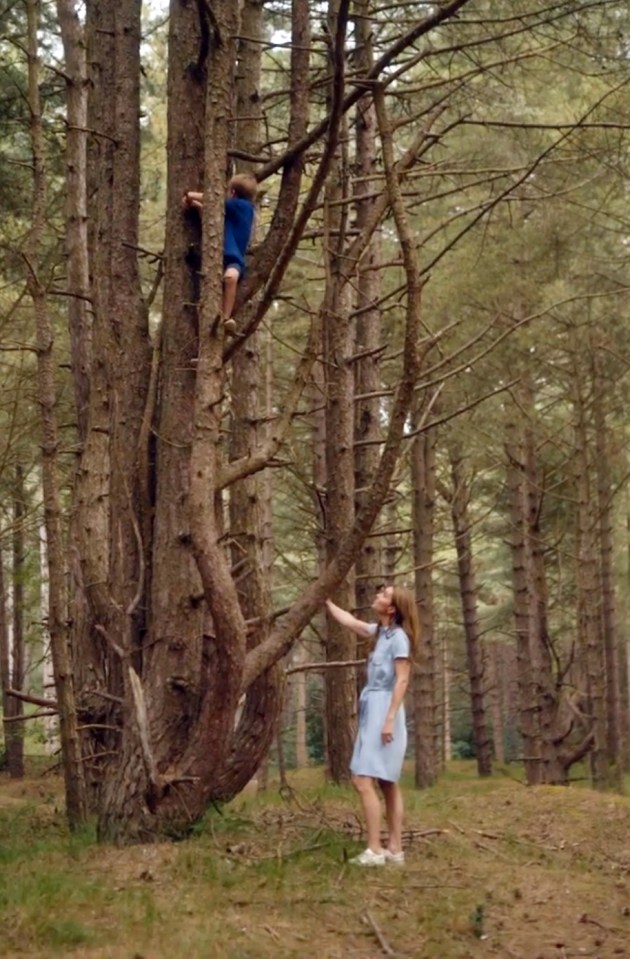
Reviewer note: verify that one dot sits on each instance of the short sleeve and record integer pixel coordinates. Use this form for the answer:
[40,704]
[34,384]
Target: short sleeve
[372,628]
[401,646]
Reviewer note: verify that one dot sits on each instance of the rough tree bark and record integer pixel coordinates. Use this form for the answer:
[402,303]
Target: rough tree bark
[423,523]
[590,635]
[605,500]
[367,340]
[168,650]
[78,279]
[459,501]
[57,611]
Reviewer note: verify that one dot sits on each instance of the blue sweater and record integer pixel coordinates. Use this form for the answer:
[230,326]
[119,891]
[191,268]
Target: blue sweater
[239,220]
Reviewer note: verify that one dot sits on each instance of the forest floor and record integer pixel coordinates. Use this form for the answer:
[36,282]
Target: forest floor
[493,869]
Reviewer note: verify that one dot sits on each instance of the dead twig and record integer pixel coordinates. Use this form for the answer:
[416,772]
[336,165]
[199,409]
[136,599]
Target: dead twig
[376,929]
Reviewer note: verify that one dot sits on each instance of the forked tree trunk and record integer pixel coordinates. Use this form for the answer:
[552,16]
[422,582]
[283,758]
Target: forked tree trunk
[170,646]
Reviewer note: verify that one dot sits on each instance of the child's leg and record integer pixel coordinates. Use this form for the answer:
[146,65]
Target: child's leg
[231,277]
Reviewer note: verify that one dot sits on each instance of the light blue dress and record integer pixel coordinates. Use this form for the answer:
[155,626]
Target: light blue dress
[370,756]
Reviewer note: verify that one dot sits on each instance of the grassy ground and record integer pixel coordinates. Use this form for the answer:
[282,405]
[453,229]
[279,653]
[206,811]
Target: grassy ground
[493,869]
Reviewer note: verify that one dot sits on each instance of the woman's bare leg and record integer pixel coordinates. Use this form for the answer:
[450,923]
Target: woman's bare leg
[394,811]
[371,804]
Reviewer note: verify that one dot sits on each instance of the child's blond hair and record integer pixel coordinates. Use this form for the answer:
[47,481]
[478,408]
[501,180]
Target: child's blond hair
[245,186]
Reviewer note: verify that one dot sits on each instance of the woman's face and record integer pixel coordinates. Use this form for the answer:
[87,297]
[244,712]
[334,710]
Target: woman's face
[382,604]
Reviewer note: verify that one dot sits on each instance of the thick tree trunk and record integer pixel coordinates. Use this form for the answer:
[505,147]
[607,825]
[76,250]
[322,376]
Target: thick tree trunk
[178,685]
[468,593]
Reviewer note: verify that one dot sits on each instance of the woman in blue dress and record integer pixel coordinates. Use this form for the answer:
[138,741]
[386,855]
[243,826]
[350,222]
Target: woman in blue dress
[381,740]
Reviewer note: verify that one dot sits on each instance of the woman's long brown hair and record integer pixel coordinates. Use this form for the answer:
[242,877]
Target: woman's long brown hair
[406,616]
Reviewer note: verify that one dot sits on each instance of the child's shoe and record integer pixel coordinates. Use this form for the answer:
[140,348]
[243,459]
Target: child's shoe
[397,858]
[229,326]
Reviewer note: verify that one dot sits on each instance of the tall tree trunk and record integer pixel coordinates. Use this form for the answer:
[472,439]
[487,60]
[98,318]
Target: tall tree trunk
[608,608]
[497,701]
[15,744]
[468,592]
[264,698]
[367,344]
[64,678]
[529,725]
[11,706]
[76,232]
[299,680]
[340,507]
[173,647]
[423,523]
[588,596]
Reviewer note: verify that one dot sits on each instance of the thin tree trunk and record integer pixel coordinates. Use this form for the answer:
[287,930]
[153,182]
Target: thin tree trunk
[11,706]
[64,679]
[468,594]
[367,344]
[76,232]
[340,684]
[589,597]
[497,701]
[609,615]
[423,523]
[15,744]
[446,751]
[299,679]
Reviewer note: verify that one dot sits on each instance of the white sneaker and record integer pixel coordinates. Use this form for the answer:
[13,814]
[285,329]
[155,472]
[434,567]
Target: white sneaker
[369,858]
[397,858]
